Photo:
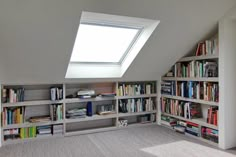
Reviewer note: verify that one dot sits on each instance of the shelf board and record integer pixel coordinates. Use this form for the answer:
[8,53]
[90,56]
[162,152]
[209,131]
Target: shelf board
[32,103]
[203,57]
[199,121]
[77,100]
[16,141]
[191,100]
[135,113]
[206,79]
[89,131]
[94,117]
[136,96]
[28,124]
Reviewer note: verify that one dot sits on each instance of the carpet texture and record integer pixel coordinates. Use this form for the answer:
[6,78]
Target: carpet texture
[150,141]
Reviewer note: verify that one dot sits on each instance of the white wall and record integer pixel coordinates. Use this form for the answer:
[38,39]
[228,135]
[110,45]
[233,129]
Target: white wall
[38,36]
[227,78]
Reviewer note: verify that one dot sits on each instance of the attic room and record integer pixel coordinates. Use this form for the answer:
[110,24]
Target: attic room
[117,78]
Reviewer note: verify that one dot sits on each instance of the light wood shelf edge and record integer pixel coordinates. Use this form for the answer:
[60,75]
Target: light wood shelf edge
[202,57]
[197,121]
[191,100]
[201,79]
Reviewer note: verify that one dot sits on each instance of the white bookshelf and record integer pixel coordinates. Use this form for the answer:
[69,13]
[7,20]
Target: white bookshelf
[40,102]
[94,117]
[137,96]
[194,58]
[28,124]
[200,79]
[202,122]
[135,113]
[98,98]
[32,103]
[191,100]
[199,121]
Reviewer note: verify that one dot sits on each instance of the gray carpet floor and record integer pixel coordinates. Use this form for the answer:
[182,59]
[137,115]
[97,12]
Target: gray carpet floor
[147,141]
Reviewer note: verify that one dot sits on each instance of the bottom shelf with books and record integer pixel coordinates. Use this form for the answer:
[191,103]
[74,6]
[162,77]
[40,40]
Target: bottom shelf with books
[35,132]
[189,127]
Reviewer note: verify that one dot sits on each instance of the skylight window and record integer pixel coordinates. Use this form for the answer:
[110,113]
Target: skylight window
[106,45]
[103,43]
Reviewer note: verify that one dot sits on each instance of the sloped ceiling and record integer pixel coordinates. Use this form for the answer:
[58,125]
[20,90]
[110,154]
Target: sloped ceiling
[37,36]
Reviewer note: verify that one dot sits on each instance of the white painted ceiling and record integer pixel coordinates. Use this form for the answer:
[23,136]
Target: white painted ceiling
[37,36]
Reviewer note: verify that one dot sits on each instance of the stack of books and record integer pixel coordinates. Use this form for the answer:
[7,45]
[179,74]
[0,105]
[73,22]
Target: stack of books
[192,129]
[106,109]
[57,129]
[168,121]
[43,131]
[180,127]
[38,119]
[76,113]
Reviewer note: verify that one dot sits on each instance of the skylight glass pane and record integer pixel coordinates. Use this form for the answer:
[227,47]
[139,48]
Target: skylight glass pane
[99,43]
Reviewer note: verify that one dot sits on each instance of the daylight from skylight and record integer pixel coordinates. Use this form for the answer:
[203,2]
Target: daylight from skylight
[106,45]
[103,43]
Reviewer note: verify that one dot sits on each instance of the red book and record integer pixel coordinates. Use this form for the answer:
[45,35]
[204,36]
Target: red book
[193,124]
[214,118]
[210,116]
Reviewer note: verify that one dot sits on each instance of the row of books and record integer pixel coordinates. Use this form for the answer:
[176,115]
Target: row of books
[184,109]
[207,47]
[190,128]
[32,132]
[208,91]
[194,69]
[212,115]
[44,131]
[19,133]
[136,105]
[13,115]
[136,89]
[56,93]
[56,112]
[16,115]
[13,95]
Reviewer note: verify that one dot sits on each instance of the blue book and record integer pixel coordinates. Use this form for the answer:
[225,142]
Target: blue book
[190,89]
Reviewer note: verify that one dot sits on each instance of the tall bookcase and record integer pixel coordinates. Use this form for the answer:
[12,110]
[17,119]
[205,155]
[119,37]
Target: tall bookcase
[114,105]
[190,96]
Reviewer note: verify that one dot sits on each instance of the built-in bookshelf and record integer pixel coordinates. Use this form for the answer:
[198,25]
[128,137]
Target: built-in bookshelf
[32,112]
[190,94]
